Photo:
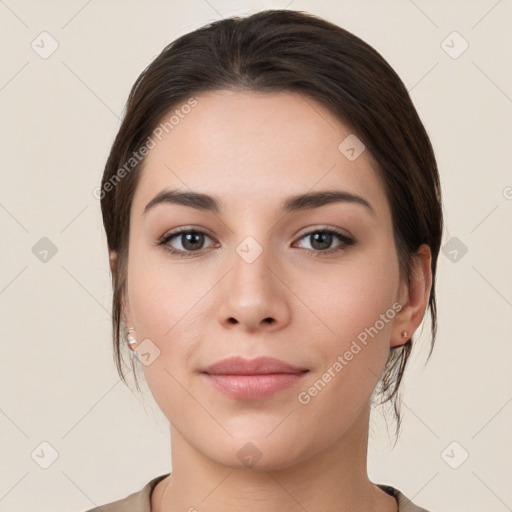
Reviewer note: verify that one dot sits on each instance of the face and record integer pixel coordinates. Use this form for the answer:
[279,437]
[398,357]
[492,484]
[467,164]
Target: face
[315,285]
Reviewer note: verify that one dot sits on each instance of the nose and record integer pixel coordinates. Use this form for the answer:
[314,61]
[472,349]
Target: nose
[254,295]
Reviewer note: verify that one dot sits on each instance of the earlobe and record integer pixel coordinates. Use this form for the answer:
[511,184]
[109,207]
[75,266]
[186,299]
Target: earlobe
[416,295]
[113,261]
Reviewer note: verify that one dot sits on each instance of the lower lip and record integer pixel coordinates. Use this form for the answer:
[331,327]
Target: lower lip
[253,387]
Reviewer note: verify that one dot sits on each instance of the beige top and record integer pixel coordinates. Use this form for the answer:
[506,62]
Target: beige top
[141,501]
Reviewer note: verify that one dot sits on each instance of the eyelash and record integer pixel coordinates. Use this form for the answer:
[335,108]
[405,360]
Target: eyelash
[347,242]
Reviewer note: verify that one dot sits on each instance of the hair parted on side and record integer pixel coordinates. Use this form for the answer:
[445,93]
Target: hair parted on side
[285,50]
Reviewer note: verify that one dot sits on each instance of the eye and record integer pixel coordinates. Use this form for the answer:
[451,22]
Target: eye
[321,240]
[190,240]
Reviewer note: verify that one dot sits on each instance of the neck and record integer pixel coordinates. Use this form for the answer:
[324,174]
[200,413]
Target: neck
[334,479]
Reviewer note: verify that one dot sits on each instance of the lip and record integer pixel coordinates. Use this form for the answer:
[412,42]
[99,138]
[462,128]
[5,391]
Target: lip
[252,379]
[259,366]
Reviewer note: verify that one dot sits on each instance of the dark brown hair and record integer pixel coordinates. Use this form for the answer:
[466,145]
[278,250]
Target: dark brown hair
[283,50]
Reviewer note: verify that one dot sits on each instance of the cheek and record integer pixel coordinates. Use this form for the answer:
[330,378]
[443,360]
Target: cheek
[352,360]
[166,307]
[350,297]
[160,293]
[354,313]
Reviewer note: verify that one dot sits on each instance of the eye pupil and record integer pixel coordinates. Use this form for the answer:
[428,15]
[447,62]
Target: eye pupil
[324,238]
[188,240]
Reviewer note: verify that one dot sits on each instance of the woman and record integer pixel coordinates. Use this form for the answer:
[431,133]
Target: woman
[273,216]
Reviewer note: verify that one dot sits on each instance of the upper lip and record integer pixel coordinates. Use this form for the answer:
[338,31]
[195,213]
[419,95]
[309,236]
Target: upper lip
[258,366]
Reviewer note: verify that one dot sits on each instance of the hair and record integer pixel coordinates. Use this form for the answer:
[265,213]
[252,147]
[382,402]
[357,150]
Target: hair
[288,51]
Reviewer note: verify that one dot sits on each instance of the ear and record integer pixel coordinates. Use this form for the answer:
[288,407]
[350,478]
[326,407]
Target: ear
[414,297]
[124,302]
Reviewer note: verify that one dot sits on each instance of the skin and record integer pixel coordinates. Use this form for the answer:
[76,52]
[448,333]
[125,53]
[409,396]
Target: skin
[251,150]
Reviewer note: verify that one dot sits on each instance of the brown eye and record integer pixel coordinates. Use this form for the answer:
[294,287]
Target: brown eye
[184,241]
[321,240]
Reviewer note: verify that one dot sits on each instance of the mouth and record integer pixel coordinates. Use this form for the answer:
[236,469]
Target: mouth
[259,366]
[254,379]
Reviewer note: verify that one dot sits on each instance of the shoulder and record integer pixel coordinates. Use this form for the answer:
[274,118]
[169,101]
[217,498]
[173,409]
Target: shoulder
[404,503]
[139,501]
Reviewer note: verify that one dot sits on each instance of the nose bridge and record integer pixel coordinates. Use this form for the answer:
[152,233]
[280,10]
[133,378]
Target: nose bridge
[253,295]
[252,267]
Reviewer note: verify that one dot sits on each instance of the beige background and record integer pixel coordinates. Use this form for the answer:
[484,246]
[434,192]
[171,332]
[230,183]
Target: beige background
[58,118]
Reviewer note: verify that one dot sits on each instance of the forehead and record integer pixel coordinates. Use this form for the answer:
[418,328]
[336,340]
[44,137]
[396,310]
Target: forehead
[255,148]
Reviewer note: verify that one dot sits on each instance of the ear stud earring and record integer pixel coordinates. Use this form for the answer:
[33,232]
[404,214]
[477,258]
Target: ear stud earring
[130,339]
[405,334]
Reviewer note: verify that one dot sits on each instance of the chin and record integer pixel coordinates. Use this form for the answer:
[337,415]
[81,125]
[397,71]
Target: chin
[259,453]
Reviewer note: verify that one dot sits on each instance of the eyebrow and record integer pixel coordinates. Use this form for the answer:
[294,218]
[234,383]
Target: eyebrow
[292,203]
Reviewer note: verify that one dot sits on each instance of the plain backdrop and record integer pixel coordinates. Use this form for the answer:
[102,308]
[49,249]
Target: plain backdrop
[72,435]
